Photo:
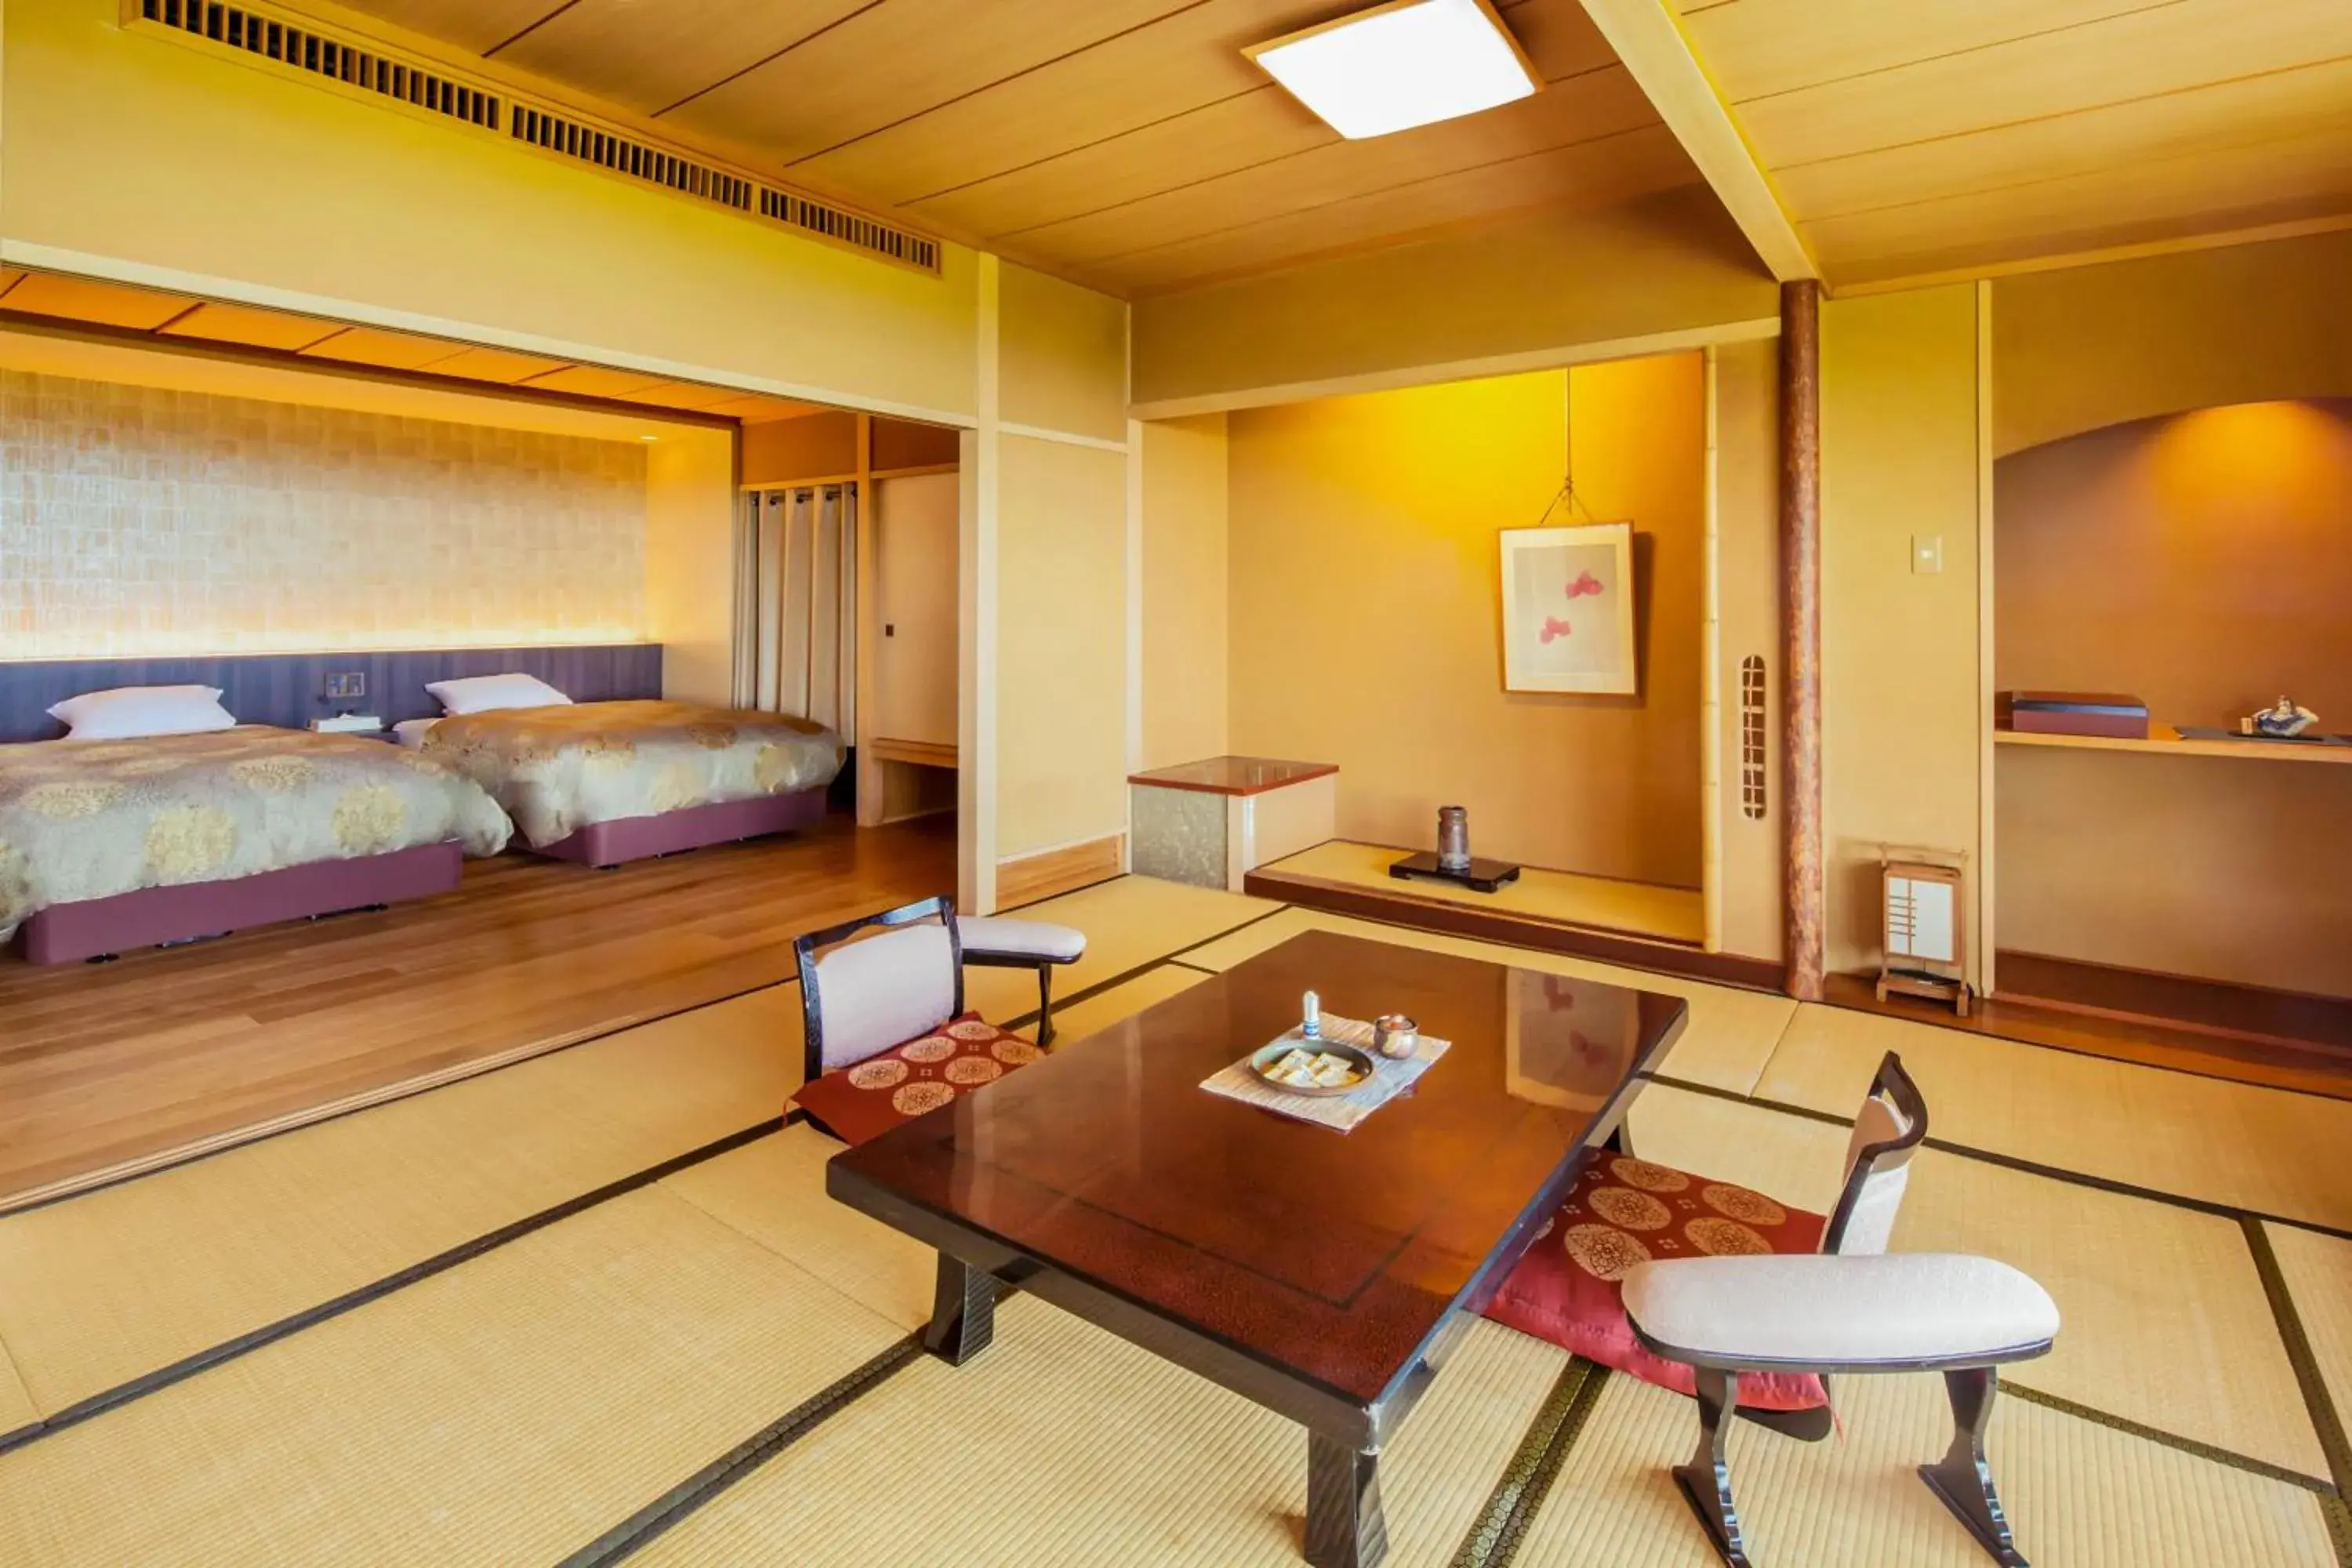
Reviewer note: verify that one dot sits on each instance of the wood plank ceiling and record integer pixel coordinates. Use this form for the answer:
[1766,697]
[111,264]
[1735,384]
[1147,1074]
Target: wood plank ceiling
[1925,137]
[283,334]
[1125,143]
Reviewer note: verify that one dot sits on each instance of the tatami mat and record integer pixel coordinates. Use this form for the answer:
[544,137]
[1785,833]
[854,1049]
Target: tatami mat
[1129,923]
[1119,1003]
[2318,1273]
[1061,1445]
[2078,1494]
[1675,914]
[508,1411]
[2265,1149]
[2166,1323]
[1730,1036]
[101,1289]
[16,1408]
[773,1192]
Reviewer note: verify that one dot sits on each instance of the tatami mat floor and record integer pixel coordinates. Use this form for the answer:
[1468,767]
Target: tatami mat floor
[537,1316]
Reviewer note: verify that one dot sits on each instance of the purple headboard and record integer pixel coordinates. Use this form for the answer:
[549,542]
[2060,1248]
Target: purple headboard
[290,690]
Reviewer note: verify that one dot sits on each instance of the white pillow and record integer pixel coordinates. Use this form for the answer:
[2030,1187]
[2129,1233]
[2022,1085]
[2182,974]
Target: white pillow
[477,693]
[128,711]
[411,732]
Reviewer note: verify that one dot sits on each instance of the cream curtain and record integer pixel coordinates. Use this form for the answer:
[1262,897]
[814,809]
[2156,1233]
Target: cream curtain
[796,604]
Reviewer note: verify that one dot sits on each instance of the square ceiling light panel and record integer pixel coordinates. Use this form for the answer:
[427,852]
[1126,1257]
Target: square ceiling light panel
[1411,62]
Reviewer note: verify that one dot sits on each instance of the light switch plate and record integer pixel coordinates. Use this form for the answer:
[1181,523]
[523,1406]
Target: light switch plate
[346,685]
[1926,552]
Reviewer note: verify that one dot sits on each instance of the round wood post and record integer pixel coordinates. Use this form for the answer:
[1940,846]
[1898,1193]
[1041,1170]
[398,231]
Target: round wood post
[1800,614]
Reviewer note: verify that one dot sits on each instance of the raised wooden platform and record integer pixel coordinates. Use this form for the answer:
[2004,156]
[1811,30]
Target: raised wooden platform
[1631,923]
[2276,1038]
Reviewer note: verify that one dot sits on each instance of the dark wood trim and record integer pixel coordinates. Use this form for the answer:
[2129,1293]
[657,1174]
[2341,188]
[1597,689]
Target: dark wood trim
[2261,1014]
[2146,1040]
[1452,917]
[1800,617]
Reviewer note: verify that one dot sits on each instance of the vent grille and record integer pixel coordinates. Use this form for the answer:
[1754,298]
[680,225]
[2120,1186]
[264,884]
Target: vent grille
[1751,737]
[317,55]
[638,160]
[565,136]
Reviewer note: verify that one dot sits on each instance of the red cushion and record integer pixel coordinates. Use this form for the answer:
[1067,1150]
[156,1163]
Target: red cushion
[867,1098]
[1621,1211]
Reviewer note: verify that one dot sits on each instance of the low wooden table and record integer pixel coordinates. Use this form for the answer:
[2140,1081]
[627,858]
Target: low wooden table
[1324,1276]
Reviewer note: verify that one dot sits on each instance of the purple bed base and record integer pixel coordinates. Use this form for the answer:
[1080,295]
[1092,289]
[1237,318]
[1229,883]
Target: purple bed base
[95,927]
[637,837]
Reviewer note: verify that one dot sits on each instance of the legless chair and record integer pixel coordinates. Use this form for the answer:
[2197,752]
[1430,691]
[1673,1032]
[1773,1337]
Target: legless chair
[1007,941]
[887,1035]
[1851,1309]
[1572,1292]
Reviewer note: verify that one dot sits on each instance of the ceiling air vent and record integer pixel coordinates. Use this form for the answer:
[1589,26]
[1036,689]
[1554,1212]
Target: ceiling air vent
[319,56]
[638,160]
[564,134]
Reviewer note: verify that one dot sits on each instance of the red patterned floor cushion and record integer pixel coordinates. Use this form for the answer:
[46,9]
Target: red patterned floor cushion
[867,1098]
[1621,1211]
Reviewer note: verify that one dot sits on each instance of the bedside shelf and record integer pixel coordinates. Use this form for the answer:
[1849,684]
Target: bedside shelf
[2163,740]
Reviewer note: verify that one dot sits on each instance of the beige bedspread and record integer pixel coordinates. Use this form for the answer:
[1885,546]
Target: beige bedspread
[89,819]
[558,770]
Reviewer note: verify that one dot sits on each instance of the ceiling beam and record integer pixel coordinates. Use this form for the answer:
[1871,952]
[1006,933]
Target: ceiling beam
[1649,39]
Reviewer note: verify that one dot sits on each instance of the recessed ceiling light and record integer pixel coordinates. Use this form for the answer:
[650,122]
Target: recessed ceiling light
[1408,63]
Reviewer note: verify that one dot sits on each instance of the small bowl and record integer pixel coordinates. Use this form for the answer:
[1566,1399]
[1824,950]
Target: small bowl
[1262,1061]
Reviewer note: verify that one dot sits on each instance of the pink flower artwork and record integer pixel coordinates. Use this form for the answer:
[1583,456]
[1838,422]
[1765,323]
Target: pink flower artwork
[1553,627]
[1586,583]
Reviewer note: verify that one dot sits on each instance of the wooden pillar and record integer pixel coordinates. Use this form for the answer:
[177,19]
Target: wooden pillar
[1801,618]
[872,785]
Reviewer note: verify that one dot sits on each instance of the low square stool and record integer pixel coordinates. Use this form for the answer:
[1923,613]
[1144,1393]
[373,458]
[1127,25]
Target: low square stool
[1007,941]
[1823,1314]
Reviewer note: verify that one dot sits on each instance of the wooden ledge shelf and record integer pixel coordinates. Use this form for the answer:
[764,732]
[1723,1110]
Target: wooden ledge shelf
[2163,740]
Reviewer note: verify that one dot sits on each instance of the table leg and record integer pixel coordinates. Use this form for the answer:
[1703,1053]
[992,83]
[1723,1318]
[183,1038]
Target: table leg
[1345,1528]
[963,1312]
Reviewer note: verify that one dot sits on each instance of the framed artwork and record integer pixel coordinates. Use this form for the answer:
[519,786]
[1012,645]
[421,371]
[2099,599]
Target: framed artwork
[1567,609]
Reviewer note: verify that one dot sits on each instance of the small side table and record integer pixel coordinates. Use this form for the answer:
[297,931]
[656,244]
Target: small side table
[1210,822]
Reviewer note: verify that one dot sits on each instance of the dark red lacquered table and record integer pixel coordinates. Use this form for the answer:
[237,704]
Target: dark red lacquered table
[1323,1275]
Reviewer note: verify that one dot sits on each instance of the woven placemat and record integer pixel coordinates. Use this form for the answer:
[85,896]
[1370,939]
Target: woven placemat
[1340,1112]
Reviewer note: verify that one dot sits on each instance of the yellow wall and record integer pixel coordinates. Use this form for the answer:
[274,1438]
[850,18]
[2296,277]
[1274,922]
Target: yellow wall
[1064,356]
[690,561]
[134,155]
[1901,719]
[2088,346]
[1061,659]
[1366,612]
[1184,590]
[1539,287]
[1748,604]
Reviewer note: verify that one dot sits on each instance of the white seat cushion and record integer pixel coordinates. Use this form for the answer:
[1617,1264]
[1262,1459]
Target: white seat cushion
[1001,935]
[1937,1308]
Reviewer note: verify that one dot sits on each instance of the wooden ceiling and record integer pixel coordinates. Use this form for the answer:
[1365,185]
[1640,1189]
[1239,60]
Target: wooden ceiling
[1124,143]
[1912,138]
[283,335]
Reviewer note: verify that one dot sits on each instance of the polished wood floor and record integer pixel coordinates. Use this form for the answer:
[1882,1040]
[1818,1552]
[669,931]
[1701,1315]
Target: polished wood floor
[112,1068]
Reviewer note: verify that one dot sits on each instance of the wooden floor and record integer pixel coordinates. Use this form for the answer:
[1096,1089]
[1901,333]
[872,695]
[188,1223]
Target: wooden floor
[112,1068]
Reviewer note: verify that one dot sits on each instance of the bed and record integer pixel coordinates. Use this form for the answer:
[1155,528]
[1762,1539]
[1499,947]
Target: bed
[603,783]
[109,845]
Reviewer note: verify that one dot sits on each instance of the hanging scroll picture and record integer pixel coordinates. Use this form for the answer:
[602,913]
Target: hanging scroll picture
[1567,609]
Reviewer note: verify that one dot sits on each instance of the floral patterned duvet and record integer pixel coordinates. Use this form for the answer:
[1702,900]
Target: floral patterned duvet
[89,819]
[557,770]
